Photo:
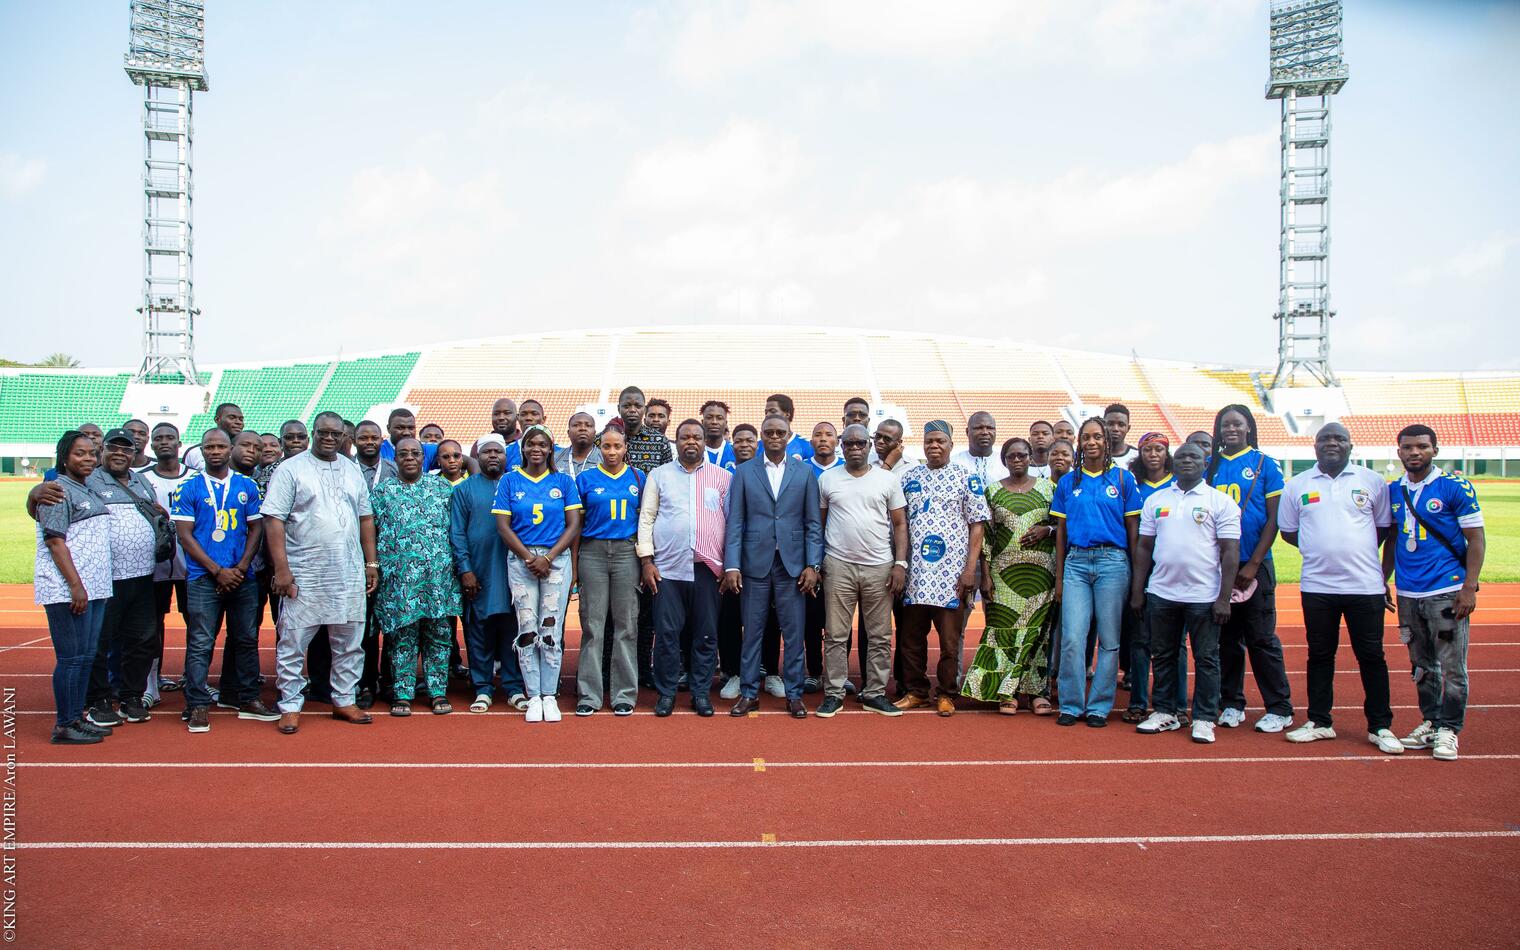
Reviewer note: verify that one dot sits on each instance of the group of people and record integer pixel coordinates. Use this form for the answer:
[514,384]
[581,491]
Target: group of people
[748,560]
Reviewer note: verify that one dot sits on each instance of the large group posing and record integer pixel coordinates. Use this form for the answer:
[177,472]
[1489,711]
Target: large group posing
[747,560]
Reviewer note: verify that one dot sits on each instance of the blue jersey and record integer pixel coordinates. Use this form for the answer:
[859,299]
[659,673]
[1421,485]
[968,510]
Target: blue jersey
[723,457]
[537,505]
[224,510]
[819,469]
[1448,504]
[1095,506]
[612,502]
[1147,489]
[1238,476]
[798,447]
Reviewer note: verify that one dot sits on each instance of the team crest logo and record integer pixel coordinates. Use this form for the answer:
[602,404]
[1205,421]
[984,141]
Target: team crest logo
[1360,498]
[1200,515]
[932,548]
[556,493]
[1248,473]
[632,490]
[975,484]
[243,497]
[1434,505]
[1111,491]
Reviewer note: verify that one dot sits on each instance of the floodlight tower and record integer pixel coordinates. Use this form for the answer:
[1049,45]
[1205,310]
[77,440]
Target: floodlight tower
[166,57]
[1306,71]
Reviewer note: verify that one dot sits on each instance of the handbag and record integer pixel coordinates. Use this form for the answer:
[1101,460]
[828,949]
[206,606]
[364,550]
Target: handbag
[164,538]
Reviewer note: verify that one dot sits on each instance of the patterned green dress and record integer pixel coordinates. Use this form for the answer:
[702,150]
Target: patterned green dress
[417,579]
[1013,658]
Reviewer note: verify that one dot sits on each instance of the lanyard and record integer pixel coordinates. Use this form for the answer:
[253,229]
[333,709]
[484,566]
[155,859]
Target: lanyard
[218,533]
[1411,529]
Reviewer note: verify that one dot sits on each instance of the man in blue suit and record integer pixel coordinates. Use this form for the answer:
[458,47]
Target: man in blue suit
[772,556]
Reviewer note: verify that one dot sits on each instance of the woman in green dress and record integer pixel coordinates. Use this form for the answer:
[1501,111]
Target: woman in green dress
[1018,578]
[418,590]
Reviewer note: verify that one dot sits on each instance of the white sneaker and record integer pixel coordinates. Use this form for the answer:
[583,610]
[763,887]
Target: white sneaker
[1422,736]
[730,688]
[1444,746]
[518,702]
[1386,741]
[775,687]
[1272,722]
[1203,731]
[1309,732]
[535,710]
[1158,722]
[1230,718]
[550,707]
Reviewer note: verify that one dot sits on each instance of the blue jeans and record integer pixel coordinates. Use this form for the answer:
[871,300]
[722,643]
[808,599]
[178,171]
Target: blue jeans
[488,641]
[1095,584]
[207,606]
[541,606]
[76,637]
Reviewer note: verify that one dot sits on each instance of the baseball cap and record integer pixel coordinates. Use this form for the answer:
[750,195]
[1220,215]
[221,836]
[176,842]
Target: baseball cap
[119,435]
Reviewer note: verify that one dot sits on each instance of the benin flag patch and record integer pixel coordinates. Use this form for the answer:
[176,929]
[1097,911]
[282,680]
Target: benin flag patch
[1309,498]
[1163,512]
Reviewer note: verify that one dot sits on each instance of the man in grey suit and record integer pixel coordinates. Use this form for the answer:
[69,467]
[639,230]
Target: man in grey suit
[772,557]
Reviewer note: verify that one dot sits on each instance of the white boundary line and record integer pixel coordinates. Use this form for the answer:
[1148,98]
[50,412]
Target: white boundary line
[27,646]
[169,712]
[756,764]
[1141,841]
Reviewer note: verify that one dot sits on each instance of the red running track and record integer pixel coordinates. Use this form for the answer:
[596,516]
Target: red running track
[982,830]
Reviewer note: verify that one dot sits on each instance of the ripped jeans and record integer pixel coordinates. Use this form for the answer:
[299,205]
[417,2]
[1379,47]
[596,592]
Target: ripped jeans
[541,605]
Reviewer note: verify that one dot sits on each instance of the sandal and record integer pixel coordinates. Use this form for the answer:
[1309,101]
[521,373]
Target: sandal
[401,708]
[1042,706]
[441,706]
[1133,714]
[1009,707]
[481,704]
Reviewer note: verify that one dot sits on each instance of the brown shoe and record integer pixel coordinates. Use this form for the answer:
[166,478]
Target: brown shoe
[290,722]
[912,701]
[352,714]
[946,706]
[745,706]
[795,709]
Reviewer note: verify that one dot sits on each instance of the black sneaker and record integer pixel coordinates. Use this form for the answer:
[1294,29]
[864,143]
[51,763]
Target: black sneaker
[258,712]
[104,714]
[880,704]
[665,706]
[829,706]
[811,685]
[200,719]
[71,734]
[1097,722]
[623,709]
[86,725]
[1066,719]
[133,710]
[585,709]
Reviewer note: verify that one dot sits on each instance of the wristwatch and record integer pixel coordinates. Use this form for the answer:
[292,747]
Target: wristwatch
[901,564]
[374,564]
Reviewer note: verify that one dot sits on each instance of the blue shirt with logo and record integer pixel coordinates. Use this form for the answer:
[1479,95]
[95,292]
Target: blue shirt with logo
[429,453]
[537,505]
[723,456]
[228,508]
[799,447]
[819,469]
[1448,504]
[1238,476]
[1095,506]
[1147,489]
[611,502]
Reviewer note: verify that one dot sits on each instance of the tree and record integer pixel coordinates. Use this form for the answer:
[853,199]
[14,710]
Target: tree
[59,361]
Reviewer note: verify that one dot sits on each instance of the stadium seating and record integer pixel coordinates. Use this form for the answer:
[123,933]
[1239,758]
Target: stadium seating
[359,384]
[39,407]
[268,396]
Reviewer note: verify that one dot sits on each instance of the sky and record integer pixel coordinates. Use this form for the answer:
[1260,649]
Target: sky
[1097,174]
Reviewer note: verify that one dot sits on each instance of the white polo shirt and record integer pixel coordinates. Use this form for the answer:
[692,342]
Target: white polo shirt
[1188,526]
[1337,520]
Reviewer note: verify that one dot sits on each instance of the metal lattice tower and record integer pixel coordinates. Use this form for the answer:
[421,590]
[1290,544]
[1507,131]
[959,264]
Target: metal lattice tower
[167,58]
[1306,71]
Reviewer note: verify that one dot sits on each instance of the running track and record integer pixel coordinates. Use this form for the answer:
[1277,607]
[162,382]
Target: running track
[979,831]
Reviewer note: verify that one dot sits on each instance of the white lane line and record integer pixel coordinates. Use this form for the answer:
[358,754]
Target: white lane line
[28,646]
[749,764]
[1123,840]
[170,712]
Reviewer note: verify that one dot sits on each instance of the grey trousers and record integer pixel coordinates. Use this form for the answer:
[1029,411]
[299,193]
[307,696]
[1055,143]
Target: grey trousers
[609,578]
[1437,643]
[347,640]
[847,586]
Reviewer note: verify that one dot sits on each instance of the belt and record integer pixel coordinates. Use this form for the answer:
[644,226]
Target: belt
[1094,547]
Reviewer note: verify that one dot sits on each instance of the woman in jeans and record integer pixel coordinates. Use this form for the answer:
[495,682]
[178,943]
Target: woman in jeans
[607,569]
[73,582]
[538,514]
[1097,511]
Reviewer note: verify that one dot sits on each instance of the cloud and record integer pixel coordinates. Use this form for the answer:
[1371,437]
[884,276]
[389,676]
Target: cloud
[1474,260]
[529,104]
[742,167]
[19,175]
[995,299]
[713,41]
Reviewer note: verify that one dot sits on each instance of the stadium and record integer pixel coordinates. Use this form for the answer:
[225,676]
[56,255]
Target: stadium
[167,809]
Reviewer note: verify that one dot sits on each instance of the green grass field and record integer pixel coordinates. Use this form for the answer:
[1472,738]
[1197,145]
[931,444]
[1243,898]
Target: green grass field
[1500,500]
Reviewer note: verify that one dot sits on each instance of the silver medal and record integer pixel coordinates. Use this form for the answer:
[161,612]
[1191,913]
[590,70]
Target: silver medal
[1409,544]
[219,536]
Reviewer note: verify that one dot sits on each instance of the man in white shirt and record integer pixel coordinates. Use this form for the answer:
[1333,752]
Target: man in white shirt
[1190,532]
[980,456]
[1337,515]
[865,533]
